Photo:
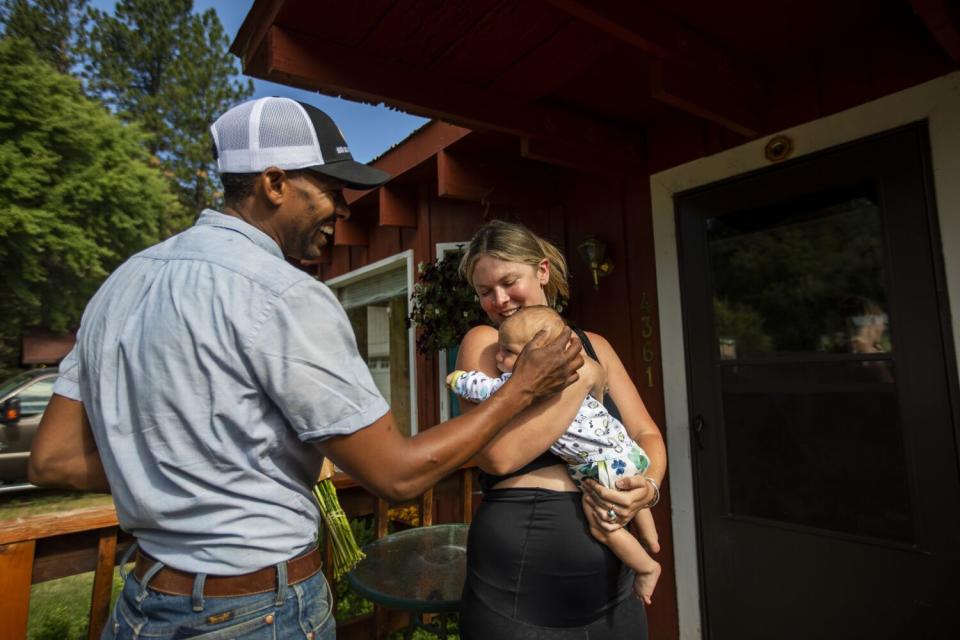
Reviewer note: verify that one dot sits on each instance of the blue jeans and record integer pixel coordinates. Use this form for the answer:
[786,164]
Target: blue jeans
[301,610]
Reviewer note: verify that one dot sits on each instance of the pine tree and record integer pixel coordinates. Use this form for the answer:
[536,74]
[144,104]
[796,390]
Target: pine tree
[55,28]
[157,63]
[77,196]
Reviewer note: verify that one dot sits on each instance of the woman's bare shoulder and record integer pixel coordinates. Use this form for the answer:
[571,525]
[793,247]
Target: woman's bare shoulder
[478,350]
[606,354]
[479,337]
[600,344]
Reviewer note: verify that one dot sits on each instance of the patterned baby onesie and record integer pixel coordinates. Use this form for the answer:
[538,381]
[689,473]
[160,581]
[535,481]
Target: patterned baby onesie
[595,445]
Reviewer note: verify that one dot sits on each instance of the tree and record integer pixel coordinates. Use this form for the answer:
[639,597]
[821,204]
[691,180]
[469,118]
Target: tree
[55,28]
[77,196]
[157,63]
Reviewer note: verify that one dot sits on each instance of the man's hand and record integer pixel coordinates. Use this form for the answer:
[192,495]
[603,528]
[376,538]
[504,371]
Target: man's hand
[545,368]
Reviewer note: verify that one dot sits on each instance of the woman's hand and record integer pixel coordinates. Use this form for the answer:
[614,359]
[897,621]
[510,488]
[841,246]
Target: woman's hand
[635,493]
[599,529]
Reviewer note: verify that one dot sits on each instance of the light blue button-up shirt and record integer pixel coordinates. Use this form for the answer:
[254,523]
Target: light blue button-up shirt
[207,366]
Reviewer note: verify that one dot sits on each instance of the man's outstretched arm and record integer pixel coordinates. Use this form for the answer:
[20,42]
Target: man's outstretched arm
[399,468]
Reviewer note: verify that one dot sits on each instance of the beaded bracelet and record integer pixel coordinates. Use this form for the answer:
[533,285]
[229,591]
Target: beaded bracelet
[656,494]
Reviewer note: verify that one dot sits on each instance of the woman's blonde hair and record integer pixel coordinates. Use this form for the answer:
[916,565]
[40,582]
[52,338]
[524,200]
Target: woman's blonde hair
[513,242]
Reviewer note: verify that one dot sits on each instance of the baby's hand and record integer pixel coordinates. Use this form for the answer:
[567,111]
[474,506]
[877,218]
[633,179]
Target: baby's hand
[453,377]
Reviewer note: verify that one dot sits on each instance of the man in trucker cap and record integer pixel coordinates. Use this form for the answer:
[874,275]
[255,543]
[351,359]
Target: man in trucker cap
[211,377]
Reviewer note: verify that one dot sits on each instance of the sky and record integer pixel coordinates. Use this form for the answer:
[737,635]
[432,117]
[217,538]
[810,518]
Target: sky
[369,130]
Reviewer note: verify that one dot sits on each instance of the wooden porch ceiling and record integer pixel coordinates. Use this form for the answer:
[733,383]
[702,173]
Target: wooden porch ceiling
[575,80]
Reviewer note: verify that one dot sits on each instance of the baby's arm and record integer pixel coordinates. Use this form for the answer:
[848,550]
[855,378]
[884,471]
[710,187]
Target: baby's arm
[647,530]
[631,552]
[473,385]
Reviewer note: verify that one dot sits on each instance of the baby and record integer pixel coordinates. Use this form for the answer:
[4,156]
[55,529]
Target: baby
[596,445]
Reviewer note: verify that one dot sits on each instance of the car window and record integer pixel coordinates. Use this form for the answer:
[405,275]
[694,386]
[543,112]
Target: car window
[34,399]
[9,385]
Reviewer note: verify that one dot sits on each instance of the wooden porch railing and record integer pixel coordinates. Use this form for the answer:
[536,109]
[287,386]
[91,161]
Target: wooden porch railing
[56,545]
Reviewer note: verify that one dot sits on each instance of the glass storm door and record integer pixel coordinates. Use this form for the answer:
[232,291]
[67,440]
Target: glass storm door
[822,369]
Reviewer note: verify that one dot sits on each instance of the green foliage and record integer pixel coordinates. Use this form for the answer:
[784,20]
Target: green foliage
[743,325]
[421,634]
[60,609]
[77,196]
[55,28]
[782,287]
[349,604]
[157,63]
[445,307]
[32,503]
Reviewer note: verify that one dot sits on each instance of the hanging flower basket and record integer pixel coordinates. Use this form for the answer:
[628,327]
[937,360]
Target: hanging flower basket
[445,307]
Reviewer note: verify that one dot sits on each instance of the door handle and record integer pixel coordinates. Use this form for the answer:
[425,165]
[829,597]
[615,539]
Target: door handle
[698,424]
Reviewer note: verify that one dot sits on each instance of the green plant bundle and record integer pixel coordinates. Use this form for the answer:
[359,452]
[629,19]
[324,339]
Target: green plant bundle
[346,553]
[445,306]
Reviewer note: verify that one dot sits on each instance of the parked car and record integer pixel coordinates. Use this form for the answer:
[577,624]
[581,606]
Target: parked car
[23,399]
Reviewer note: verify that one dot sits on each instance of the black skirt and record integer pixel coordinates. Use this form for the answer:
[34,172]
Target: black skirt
[534,571]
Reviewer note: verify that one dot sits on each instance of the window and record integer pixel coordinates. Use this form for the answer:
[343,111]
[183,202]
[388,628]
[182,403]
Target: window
[447,358]
[34,399]
[376,299]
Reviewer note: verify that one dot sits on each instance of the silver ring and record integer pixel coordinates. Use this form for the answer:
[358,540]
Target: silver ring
[611,515]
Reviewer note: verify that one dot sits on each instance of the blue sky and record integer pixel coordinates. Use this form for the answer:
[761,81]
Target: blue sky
[370,130]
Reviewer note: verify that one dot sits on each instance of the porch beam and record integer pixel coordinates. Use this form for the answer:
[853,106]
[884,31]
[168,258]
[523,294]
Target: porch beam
[941,23]
[398,206]
[566,55]
[477,179]
[261,16]
[455,180]
[297,59]
[418,148]
[708,96]
[564,155]
[349,234]
[679,51]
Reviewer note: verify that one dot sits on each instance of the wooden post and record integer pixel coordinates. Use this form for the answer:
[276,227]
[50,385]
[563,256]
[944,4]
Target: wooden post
[381,521]
[102,582]
[358,319]
[426,508]
[16,574]
[399,363]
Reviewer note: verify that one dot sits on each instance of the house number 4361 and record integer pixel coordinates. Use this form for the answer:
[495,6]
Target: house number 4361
[647,351]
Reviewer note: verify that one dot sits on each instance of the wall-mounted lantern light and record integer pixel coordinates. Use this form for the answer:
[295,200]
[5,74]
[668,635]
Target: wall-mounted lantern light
[593,251]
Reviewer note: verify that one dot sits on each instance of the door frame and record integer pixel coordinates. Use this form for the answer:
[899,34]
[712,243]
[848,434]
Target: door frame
[937,102]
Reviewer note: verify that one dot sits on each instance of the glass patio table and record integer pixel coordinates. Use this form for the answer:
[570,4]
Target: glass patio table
[419,570]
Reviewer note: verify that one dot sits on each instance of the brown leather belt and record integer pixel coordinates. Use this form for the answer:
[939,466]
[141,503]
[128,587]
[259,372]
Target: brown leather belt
[180,583]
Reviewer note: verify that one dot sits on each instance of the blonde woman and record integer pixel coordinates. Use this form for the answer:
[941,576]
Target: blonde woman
[537,565]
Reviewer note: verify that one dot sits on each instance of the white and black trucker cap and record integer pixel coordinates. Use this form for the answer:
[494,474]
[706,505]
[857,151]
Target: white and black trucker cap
[284,133]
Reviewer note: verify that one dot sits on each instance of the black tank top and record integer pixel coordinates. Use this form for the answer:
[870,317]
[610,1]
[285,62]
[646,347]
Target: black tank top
[547,459]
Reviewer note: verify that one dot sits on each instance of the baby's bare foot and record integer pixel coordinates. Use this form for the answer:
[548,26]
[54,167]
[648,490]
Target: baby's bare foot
[645,583]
